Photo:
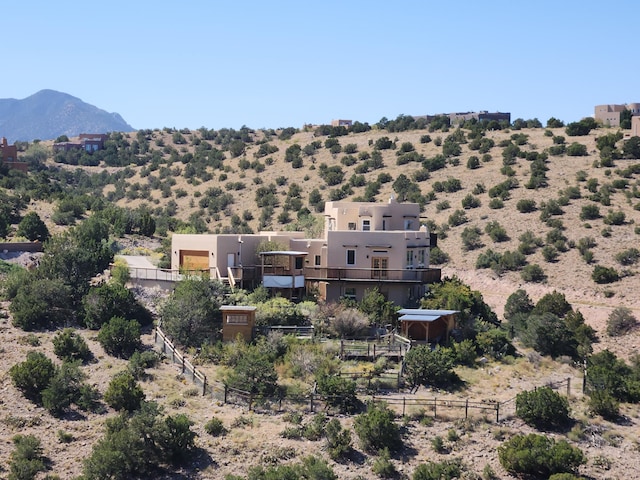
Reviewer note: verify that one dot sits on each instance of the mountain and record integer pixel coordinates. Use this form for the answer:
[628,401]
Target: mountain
[48,114]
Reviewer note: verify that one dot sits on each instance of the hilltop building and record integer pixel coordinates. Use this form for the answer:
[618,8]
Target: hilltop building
[9,156]
[89,142]
[460,117]
[342,123]
[364,245]
[609,115]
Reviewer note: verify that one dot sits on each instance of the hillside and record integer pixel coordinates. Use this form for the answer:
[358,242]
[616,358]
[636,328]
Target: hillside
[205,185]
[49,114]
[225,182]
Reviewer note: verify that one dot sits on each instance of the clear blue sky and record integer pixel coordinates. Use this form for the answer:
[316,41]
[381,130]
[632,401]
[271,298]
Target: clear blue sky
[285,63]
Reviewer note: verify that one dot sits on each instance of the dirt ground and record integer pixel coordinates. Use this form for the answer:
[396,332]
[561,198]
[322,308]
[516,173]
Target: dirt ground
[254,438]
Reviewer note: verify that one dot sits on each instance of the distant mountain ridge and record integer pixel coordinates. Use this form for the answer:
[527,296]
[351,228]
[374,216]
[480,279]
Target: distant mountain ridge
[47,114]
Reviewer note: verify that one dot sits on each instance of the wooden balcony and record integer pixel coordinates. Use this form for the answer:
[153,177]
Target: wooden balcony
[419,275]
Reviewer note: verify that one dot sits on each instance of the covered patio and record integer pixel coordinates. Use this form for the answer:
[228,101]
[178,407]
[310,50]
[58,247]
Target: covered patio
[427,326]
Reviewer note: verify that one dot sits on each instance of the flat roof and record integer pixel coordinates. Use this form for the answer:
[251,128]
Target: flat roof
[290,253]
[420,318]
[243,308]
[426,311]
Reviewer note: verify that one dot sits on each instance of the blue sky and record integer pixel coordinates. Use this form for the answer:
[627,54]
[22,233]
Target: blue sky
[285,63]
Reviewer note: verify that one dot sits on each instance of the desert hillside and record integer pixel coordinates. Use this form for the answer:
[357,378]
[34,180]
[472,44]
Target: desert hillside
[577,215]
[512,210]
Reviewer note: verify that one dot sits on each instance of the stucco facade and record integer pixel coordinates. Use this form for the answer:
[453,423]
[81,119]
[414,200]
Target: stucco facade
[365,245]
[609,115]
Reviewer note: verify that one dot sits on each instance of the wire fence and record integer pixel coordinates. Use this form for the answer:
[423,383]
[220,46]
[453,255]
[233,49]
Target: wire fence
[313,402]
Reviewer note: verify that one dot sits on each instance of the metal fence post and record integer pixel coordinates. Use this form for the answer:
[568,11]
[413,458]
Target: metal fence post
[204,385]
[498,412]
[568,386]
[466,409]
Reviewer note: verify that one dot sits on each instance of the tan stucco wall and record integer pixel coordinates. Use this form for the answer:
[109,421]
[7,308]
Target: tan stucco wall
[635,126]
[390,215]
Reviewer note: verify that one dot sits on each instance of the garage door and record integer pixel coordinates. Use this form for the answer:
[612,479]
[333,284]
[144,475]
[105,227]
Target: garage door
[194,260]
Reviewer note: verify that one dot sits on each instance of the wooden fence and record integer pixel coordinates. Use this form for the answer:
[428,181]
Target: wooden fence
[188,369]
[314,402]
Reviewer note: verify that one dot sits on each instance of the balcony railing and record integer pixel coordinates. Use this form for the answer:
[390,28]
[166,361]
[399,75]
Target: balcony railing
[420,275]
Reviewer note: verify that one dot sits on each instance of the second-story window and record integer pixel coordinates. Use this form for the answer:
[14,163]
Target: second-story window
[366,225]
[316,260]
[352,226]
[351,257]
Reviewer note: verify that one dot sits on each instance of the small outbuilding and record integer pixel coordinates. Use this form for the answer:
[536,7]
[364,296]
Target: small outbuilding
[238,320]
[427,326]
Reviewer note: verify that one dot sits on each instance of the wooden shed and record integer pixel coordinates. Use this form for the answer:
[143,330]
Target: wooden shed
[237,320]
[428,326]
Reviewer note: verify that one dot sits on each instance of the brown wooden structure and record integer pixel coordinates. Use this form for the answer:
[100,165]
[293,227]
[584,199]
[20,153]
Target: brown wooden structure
[427,326]
[238,320]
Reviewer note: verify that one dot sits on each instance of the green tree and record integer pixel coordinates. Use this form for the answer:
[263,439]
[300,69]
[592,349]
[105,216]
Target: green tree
[554,302]
[549,335]
[123,392]
[255,373]
[41,303]
[543,408]
[379,310]
[69,346]
[621,321]
[77,255]
[338,440]
[452,294]
[190,314]
[554,123]
[63,389]
[27,458]
[139,444]
[340,392]
[376,429]
[631,148]
[424,366]
[539,456]
[120,337]
[33,228]
[445,470]
[176,439]
[33,375]
[603,274]
[518,302]
[109,300]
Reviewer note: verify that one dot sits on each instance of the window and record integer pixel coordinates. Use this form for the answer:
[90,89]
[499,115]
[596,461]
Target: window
[350,293]
[351,226]
[351,257]
[298,263]
[410,258]
[421,258]
[316,260]
[237,319]
[366,225]
[408,224]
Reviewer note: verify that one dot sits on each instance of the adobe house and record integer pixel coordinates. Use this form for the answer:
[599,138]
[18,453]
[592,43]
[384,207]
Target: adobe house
[365,245]
[9,156]
[89,142]
[427,326]
[92,142]
[238,320]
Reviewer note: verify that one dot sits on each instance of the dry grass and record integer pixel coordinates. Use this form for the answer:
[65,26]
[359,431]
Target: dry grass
[254,439]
